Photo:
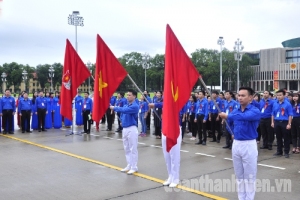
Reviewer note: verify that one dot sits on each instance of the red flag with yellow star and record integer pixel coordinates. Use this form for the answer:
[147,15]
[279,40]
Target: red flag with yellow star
[74,73]
[180,78]
[109,74]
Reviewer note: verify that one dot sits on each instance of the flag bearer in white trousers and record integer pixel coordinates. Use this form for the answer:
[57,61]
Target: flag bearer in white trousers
[172,160]
[244,150]
[129,120]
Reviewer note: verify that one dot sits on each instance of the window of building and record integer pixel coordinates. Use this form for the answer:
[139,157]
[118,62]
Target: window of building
[33,84]
[293,85]
[295,53]
[295,59]
[289,53]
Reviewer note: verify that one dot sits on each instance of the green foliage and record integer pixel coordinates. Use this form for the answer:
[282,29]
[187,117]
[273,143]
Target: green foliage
[207,61]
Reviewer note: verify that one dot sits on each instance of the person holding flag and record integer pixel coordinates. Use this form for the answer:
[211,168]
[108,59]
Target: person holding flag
[129,120]
[74,73]
[87,108]
[179,79]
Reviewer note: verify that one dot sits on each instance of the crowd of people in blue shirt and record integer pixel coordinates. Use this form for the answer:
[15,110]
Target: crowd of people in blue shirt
[279,113]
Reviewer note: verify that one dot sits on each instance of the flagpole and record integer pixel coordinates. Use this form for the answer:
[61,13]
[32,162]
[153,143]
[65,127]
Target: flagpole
[215,103]
[142,94]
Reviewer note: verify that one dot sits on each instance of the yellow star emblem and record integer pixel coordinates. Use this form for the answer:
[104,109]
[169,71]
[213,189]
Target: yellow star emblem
[175,96]
[101,84]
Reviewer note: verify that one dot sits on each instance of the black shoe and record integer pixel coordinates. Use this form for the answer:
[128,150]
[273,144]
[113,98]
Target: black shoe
[4,132]
[198,143]
[102,122]
[277,154]
[39,130]
[10,132]
[263,147]
[226,147]
[108,129]
[218,141]
[270,148]
[83,132]
[23,131]
[230,147]
[118,131]
[44,130]
[286,155]
[88,132]
[203,143]
[213,141]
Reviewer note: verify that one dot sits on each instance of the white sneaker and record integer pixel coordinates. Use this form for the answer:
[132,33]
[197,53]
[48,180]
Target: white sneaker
[131,172]
[192,138]
[172,185]
[167,182]
[125,169]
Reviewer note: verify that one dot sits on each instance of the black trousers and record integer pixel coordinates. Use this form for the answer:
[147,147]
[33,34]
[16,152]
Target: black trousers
[215,126]
[41,118]
[201,128]
[86,121]
[194,127]
[119,121]
[148,119]
[25,119]
[183,125]
[267,132]
[103,120]
[7,119]
[228,137]
[296,132]
[282,133]
[110,118]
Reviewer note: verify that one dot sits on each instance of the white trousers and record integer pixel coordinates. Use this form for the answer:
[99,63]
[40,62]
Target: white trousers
[244,156]
[172,158]
[130,141]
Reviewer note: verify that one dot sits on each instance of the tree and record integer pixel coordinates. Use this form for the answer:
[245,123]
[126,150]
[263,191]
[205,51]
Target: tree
[42,74]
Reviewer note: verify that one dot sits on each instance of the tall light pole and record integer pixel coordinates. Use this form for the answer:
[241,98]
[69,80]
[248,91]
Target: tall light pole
[51,75]
[75,20]
[146,64]
[89,65]
[221,43]
[24,73]
[3,76]
[238,48]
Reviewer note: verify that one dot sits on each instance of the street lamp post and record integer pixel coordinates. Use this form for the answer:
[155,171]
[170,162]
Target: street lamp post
[75,20]
[146,59]
[24,73]
[221,43]
[51,75]
[238,47]
[89,65]
[3,76]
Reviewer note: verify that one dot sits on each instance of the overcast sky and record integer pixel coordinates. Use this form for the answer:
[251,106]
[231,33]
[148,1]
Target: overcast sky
[35,31]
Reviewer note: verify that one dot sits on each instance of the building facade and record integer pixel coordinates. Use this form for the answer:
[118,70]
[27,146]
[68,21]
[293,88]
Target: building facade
[278,67]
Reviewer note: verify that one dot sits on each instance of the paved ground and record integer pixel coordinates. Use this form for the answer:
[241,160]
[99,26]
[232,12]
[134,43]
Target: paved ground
[49,165]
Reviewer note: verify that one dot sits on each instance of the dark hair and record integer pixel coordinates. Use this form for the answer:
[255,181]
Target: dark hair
[146,91]
[298,101]
[249,89]
[290,94]
[281,90]
[271,94]
[258,95]
[268,92]
[133,92]
[215,92]
[87,93]
[121,93]
[231,93]
[194,98]
[203,92]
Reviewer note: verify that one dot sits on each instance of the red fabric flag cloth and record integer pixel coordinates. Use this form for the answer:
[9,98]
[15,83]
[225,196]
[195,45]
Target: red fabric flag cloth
[74,74]
[180,78]
[109,74]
